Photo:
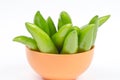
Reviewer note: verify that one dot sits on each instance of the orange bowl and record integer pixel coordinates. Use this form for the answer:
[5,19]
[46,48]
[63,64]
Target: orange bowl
[59,66]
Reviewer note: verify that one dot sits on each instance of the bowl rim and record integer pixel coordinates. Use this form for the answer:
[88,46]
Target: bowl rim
[50,54]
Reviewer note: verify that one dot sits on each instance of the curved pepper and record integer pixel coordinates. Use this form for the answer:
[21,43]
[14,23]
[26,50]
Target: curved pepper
[29,42]
[70,43]
[58,38]
[95,21]
[103,19]
[43,41]
[64,19]
[51,26]
[85,38]
[41,22]
[98,22]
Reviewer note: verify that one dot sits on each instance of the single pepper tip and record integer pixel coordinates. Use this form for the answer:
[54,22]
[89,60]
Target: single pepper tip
[14,39]
[49,17]
[109,16]
[63,12]
[38,11]
[17,38]
[27,23]
[96,16]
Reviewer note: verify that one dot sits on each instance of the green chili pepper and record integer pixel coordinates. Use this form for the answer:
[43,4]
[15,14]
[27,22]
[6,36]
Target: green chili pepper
[70,43]
[51,26]
[98,22]
[42,39]
[64,19]
[86,37]
[103,19]
[58,38]
[41,22]
[95,21]
[29,42]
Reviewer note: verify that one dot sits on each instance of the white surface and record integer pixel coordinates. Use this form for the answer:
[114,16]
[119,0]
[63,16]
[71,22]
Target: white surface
[14,13]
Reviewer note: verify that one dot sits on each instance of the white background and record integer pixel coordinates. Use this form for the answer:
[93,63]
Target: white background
[14,13]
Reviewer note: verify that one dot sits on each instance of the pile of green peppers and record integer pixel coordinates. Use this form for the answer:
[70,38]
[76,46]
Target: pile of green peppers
[67,39]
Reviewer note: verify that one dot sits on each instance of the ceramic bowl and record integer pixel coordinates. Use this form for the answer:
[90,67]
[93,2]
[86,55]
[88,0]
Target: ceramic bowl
[59,66]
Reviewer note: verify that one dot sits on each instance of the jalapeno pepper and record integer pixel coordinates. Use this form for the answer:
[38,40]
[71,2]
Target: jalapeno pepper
[51,25]
[29,42]
[85,38]
[64,19]
[103,19]
[70,43]
[95,21]
[41,22]
[42,39]
[58,38]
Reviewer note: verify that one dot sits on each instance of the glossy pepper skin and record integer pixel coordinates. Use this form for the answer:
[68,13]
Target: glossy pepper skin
[95,21]
[68,39]
[64,19]
[85,38]
[103,19]
[98,22]
[70,45]
[58,38]
[41,22]
[51,25]
[42,39]
[29,42]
